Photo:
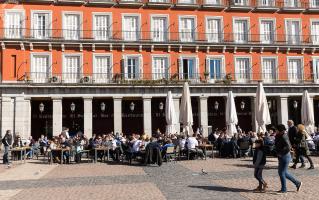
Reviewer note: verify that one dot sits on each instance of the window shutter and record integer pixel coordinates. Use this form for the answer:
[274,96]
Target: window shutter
[124,66]
[35,25]
[180,68]
[197,73]
[140,74]
[207,67]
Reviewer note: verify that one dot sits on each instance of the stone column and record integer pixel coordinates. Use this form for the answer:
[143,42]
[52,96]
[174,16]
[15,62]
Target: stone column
[7,114]
[176,106]
[203,115]
[57,116]
[22,111]
[117,117]
[282,110]
[88,118]
[27,117]
[147,115]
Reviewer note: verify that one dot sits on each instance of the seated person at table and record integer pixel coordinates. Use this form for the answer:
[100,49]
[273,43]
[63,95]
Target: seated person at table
[17,144]
[54,145]
[169,143]
[66,154]
[98,143]
[192,143]
[182,143]
[43,144]
[136,146]
[153,153]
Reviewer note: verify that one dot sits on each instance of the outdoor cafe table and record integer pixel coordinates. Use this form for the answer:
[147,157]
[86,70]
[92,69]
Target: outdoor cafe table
[104,149]
[205,147]
[61,150]
[21,150]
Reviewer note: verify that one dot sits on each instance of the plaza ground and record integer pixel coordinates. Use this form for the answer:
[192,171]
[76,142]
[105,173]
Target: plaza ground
[226,179]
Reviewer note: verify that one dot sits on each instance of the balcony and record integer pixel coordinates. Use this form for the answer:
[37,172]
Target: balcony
[293,6]
[71,1]
[214,4]
[243,5]
[187,4]
[101,2]
[266,5]
[130,3]
[38,1]
[159,3]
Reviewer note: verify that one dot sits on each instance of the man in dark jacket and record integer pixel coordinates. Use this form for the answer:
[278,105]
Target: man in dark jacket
[7,142]
[292,134]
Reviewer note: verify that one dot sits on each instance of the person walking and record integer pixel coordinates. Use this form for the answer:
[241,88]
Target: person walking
[283,148]
[302,147]
[7,143]
[292,134]
[259,161]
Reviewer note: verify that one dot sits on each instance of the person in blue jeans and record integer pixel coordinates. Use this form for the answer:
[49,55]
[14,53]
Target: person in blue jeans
[283,148]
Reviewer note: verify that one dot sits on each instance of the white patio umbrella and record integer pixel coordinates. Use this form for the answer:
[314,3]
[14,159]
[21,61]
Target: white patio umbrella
[231,115]
[170,114]
[307,117]
[262,115]
[186,114]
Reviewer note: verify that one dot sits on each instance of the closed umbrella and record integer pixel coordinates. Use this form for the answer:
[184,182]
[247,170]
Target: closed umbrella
[170,114]
[262,115]
[231,115]
[307,117]
[186,114]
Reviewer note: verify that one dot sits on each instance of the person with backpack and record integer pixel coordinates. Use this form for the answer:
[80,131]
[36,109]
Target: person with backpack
[259,161]
[7,143]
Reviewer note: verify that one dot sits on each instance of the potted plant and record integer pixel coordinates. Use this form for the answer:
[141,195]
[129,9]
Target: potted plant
[228,79]
[206,74]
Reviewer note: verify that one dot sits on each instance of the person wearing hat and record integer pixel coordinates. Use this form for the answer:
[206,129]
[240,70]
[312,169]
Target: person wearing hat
[283,148]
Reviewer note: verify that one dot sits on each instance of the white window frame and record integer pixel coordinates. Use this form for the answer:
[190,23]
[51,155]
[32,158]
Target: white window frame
[110,27]
[248,28]
[221,18]
[180,17]
[276,75]
[301,70]
[237,70]
[101,78]
[167,56]
[81,21]
[287,3]
[64,55]
[300,29]
[196,65]
[140,66]
[21,11]
[207,68]
[315,69]
[48,75]
[138,15]
[312,5]
[274,29]
[312,33]
[166,28]
[49,12]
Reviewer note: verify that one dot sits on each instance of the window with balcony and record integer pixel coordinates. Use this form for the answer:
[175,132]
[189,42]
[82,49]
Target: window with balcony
[187,1]
[315,67]
[315,31]
[187,29]
[213,2]
[292,3]
[294,69]
[160,67]
[41,24]
[130,27]
[314,3]
[189,68]
[72,26]
[241,30]
[133,67]
[159,28]
[40,67]
[293,31]
[101,26]
[102,68]
[240,2]
[267,31]
[214,29]
[14,23]
[215,68]
[266,3]
[243,69]
[72,68]
[159,1]
[269,69]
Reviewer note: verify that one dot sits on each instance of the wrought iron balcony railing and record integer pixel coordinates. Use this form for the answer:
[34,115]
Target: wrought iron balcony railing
[157,37]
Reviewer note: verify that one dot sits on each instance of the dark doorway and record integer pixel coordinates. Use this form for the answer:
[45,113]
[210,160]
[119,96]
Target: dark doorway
[195,108]
[216,113]
[316,110]
[243,108]
[158,115]
[294,109]
[103,121]
[73,115]
[41,118]
[272,105]
[132,116]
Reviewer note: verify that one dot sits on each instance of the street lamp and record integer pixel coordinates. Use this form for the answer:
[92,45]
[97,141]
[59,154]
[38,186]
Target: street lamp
[102,106]
[41,107]
[132,106]
[216,105]
[72,107]
[295,104]
[242,105]
[161,106]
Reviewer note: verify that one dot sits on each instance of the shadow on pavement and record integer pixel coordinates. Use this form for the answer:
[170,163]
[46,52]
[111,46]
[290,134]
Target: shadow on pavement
[220,188]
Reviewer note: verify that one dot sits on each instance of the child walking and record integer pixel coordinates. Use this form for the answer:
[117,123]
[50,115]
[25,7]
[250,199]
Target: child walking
[259,162]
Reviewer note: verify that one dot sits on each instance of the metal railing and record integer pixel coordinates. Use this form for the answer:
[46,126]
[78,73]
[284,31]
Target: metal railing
[167,78]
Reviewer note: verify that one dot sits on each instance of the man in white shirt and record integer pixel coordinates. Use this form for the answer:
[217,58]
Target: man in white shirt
[136,146]
[192,142]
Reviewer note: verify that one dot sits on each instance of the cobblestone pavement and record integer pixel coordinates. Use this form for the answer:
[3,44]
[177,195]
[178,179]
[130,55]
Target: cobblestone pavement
[225,179]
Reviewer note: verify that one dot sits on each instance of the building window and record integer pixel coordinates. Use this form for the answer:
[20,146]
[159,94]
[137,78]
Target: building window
[133,67]
[315,67]
[294,69]
[160,67]
[40,68]
[130,28]
[72,26]
[41,24]
[266,3]
[314,3]
[315,31]
[292,3]
[102,68]
[14,24]
[159,1]
[213,2]
[187,29]
[189,68]
[72,68]
[293,31]
[242,69]
[267,31]
[159,28]
[187,1]
[101,26]
[241,2]
[215,68]
[214,29]
[241,30]
[269,69]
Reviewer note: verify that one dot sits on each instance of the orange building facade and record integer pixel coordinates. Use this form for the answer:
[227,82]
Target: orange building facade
[101,65]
